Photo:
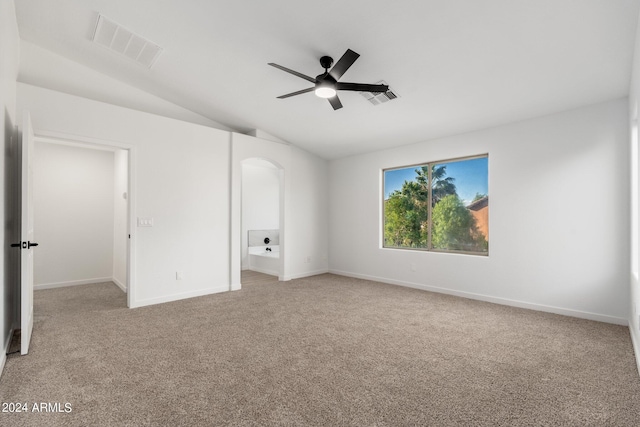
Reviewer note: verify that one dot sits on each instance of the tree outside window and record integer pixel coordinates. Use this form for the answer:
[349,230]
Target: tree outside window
[440,206]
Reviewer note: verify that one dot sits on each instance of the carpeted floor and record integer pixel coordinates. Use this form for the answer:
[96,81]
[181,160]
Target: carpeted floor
[320,351]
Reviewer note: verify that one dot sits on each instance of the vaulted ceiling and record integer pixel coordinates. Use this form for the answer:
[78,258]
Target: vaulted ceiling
[457,65]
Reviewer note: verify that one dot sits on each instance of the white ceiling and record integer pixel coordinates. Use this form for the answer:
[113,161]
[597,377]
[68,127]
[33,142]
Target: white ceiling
[458,65]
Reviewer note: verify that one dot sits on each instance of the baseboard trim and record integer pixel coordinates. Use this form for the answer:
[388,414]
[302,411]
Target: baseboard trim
[178,297]
[3,356]
[264,271]
[119,284]
[3,359]
[635,340]
[496,300]
[72,283]
[303,275]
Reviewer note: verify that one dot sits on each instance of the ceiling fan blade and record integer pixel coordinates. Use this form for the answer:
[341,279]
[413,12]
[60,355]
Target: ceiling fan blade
[335,102]
[295,73]
[362,87]
[300,92]
[343,64]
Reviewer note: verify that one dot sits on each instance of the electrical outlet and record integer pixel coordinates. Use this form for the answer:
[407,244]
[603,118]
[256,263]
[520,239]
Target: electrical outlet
[307,260]
[179,275]
[412,266]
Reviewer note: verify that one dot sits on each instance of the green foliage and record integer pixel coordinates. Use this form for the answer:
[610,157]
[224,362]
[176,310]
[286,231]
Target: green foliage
[406,222]
[403,218]
[454,227]
[441,184]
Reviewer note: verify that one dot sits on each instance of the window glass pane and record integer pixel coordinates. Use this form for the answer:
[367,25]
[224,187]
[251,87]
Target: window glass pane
[405,207]
[455,194]
[460,205]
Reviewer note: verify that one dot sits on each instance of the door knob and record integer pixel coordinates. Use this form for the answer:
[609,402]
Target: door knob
[23,245]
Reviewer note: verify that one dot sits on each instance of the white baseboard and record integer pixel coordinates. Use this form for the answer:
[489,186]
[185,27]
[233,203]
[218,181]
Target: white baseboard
[72,283]
[265,271]
[303,275]
[119,284]
[5,350]
[496,300]
[177,297]
[635,340]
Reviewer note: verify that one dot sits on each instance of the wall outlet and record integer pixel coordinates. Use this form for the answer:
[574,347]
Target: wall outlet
[412,266]
[179,275]
[307,260]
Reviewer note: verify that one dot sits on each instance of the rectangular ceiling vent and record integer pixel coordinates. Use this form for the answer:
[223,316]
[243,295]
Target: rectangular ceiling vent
[380,98]
[124,42]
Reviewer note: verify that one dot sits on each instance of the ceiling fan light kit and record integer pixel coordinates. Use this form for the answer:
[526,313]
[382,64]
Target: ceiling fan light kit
[325,91]
[326,84]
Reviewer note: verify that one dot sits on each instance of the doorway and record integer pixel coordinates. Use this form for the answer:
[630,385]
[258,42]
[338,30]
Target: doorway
[262,218]
[81,213]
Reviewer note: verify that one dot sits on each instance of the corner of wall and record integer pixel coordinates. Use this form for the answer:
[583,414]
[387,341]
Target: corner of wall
[636,345]
[5,351]
[634,293]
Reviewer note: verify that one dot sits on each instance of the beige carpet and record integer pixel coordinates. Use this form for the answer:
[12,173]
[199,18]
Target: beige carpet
[320,351]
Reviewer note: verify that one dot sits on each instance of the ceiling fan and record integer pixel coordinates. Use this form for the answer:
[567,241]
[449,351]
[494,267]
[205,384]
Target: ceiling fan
[327,84]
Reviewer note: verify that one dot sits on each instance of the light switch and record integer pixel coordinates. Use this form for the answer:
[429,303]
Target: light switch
[145,222]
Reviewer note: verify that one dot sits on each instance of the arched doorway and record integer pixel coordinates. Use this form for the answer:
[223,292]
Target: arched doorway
[262,217]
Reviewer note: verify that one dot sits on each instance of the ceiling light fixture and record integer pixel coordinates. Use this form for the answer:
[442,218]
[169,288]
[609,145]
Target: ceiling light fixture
[326,84]
[325,90]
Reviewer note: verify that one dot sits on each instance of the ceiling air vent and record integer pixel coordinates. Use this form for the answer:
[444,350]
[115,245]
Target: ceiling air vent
[118,39]
[380,98]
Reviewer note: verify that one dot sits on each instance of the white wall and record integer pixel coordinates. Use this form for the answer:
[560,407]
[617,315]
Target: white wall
[308,217]
[73,196]
[260,200]
[180,179]
[120,217]
[9,232]
[634,285]
[559,216]
[41,67]
[303,207]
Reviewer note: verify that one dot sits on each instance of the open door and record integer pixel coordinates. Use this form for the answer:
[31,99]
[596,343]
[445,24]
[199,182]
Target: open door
[26,237]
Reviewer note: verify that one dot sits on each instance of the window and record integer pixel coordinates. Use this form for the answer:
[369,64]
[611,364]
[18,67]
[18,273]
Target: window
[438,206]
